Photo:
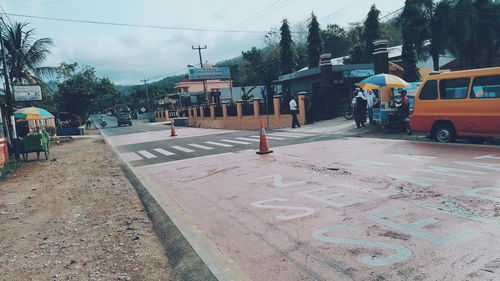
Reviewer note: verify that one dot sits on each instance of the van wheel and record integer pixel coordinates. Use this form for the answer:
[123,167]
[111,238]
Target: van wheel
[445,133]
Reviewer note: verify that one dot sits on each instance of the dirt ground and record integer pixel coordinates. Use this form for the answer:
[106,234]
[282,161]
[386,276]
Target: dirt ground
[76,217]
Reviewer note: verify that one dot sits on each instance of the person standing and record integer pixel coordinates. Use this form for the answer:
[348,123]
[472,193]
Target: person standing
[359,108]
[371,100]
[293,111]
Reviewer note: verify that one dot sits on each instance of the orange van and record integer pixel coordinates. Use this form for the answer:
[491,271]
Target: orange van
[459,104]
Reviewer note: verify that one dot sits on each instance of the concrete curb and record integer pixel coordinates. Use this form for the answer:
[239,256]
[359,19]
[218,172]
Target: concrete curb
[187,264]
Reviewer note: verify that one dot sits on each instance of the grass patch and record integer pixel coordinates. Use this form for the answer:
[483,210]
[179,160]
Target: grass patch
[9,167]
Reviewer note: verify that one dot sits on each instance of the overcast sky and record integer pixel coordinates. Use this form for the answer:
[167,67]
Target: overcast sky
[128,54]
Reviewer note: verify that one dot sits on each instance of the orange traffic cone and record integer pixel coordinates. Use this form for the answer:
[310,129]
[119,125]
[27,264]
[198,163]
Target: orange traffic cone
[172,129]
[264,146]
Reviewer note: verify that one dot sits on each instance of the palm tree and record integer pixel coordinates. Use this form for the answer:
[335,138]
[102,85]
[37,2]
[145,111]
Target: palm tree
[24,53]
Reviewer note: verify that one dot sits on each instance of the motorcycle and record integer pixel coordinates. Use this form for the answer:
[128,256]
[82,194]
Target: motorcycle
[396,123]
[103,123]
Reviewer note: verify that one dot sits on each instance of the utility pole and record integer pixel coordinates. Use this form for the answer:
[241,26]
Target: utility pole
[8,97]
[147,95]
[199,48]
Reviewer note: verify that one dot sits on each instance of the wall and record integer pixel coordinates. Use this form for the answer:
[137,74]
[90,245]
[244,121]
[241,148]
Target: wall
[250,122]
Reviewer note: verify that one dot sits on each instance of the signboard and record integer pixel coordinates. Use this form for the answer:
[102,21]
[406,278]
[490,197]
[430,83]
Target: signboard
[27,93]
[209,73]
[358,73]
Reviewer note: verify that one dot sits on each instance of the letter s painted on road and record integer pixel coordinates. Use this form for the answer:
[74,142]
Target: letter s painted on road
[402,254]
[262,204]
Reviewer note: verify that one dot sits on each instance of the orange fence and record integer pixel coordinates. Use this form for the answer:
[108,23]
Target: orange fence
[4,152]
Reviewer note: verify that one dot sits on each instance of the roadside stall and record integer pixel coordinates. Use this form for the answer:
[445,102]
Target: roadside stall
[36,139]
[385,84]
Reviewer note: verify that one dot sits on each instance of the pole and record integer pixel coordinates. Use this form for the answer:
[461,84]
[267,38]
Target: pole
[199,48]
[147,95]
[8,96]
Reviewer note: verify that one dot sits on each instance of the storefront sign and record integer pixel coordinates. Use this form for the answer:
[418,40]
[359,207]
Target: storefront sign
[27,93]
[358,73]
[209,73]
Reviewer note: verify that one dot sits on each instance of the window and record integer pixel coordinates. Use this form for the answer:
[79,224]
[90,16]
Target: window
[454,88]
[429,91]
[486,87]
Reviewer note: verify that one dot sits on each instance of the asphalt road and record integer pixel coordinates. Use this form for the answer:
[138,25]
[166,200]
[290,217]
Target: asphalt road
[323,207]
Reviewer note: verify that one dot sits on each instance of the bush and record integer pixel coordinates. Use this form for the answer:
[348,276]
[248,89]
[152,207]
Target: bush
[9,167]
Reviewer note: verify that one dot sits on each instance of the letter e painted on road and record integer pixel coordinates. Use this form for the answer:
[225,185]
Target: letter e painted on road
[278,181]
[412,228]
[305,211]
[402,253]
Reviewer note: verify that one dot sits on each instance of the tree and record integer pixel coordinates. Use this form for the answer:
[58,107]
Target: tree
[415,25]
[314,47]
[335,41]
[440,26]
[24,53]
[77,94]
[371,32]
[286,52]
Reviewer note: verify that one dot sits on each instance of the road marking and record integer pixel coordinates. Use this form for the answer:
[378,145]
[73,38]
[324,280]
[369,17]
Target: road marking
[271,138]
[130,156]
[187,150]
[163,151]
[287,135]
[219,144]
[146,154]
[201,146]
[247,139]
[237,142]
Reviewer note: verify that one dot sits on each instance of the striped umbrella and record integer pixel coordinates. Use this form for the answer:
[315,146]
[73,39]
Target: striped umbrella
[383,80]
[32,113]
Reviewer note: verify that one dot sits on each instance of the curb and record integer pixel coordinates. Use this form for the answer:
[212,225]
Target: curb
[186,263]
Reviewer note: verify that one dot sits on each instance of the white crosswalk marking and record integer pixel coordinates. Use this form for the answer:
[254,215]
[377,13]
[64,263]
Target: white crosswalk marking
[271,138]
[130,156]
[247,139]
[219,144]
[163,151]
[146,154]
[183,149]
[201,146]
[287,135]
[237,142]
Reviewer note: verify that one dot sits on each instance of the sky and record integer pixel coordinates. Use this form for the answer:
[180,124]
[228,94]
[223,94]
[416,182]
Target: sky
[128,54]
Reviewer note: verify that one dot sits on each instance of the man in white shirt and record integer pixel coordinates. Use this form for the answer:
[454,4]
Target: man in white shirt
[371,100]
[293,111]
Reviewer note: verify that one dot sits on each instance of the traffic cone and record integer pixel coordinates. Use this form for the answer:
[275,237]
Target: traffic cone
[264,146]
[172,129]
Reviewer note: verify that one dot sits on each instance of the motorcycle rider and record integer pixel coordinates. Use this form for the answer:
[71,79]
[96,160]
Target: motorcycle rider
[103,121]
[404,109]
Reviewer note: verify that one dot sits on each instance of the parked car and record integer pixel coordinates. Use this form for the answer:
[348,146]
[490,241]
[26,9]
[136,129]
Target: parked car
[461,104]
[124,118]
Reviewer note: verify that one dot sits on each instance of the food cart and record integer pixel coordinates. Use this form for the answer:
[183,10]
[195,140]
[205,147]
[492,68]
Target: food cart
[37,142]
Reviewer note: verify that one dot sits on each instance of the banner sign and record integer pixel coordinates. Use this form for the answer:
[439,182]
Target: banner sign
[359,73]
[209,73]
[27,93]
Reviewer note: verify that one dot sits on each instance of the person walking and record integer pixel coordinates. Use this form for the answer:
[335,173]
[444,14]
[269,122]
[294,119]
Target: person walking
[371,100]
[359,108]
[293,111]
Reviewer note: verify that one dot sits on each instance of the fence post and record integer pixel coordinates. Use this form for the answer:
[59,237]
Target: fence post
[239,109]
[190,113]
[202,112]
[224,110]
[277,105]
[302,107]
[212,110]
[256,107]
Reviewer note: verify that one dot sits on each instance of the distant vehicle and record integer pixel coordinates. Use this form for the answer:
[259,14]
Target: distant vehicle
[124,118]
[109,113]
[458,104]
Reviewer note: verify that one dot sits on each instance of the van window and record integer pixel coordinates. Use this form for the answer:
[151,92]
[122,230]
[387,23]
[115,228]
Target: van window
[486,87]
[429,90]
[454,88]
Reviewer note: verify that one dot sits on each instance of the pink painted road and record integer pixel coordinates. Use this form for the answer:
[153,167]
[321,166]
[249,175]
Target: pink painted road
[344,209]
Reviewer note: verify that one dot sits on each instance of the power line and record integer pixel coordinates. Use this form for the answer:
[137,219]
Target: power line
[343,9]
[1,6]
[135,25]
[391,13]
